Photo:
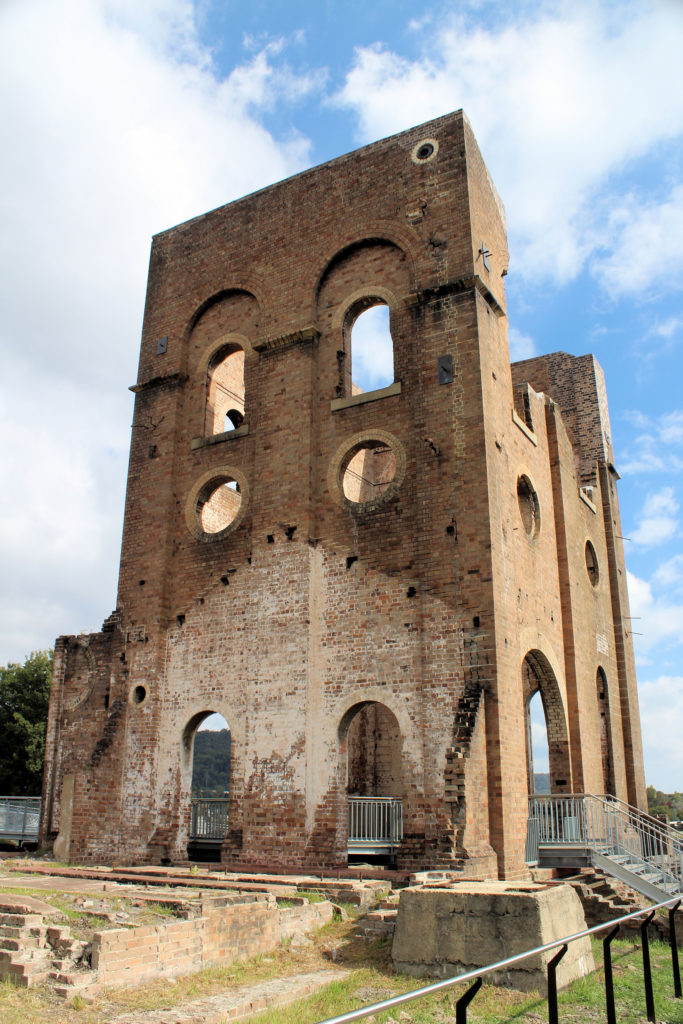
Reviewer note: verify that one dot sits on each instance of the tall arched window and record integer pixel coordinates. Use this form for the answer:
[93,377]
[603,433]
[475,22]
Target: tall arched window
[537,745]
[371,346]
[605,733]
[225,405]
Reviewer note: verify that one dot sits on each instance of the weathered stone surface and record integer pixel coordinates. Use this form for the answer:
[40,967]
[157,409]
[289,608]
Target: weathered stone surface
[445,931]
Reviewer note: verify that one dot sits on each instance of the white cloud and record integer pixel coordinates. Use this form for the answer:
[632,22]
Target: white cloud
[658,523]
[118,127]
[670,573]
[657,446]
[645,247]
[670,327]
[661,714]
[657,619]
[578,94]
[671,428]
[522,346]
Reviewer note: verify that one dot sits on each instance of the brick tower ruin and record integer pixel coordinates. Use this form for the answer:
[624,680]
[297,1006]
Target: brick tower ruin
[368,586]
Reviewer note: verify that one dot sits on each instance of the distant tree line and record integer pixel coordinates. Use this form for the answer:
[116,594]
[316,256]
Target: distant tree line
[670,804]
[24,702]
[211,764]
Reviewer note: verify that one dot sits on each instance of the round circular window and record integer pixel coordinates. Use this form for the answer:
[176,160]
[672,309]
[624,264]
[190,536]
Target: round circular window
[138,694]
[529,509]
[368,470]
[216,504]
[592,564]
[425,150]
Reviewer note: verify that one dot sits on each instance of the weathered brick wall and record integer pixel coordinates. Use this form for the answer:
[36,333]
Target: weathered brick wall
[424,602]
[223,935]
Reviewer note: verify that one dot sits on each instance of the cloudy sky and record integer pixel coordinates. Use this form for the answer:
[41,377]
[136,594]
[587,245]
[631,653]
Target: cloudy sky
[121,118]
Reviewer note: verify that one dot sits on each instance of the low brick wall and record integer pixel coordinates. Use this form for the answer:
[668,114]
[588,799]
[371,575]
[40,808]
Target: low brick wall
[304,917]
[224,933]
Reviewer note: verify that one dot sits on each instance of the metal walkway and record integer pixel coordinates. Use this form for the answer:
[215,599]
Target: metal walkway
[583,829]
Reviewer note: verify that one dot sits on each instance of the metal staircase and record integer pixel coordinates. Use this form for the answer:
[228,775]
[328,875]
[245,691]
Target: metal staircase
[584,829]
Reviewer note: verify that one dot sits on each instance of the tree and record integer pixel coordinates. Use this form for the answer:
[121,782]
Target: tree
[24,701]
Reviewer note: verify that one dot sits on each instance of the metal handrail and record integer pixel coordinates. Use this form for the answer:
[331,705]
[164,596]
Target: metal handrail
[652,824]
[209,818]
[477,975]
[20,818]
[375,821]
[610,827]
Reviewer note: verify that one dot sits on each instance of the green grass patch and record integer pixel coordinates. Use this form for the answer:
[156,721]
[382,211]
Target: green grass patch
[312,897]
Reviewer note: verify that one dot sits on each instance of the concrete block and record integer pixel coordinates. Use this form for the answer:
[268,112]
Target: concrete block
[447,931]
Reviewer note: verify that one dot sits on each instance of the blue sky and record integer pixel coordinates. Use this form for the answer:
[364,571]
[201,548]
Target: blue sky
[128,116]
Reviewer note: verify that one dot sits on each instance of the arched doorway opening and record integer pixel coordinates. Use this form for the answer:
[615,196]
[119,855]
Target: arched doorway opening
[547,736]
[371,754]
[605,734]
[207,746]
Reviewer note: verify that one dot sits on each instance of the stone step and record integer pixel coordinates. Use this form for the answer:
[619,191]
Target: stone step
[25,973]
[72,978]
[21,920]
[22,941]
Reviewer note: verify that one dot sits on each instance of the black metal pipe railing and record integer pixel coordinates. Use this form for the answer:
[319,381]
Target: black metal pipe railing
[561,945]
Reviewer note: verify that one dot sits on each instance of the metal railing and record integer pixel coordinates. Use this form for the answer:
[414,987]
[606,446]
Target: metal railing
[20,818]
[609,827]
[209,818]
[561,945]
[375,823]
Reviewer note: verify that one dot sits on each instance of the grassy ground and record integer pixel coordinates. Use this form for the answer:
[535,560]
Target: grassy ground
[371,980]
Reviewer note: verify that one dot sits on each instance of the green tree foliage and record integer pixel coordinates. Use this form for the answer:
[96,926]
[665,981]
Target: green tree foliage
[24,700]
[211,763]
[670,804]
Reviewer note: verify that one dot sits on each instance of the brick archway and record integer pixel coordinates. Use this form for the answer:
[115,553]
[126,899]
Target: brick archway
[371,742]
[538,677]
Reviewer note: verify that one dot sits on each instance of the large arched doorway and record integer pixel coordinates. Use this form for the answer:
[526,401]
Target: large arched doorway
[207,746]
[544,712]
[371,754]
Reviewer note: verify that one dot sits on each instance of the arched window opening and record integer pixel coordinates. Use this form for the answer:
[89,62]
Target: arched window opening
[548,760]
[537,746]
[372,348]
[225,407]
[208,738]
[371,747]
[605,734]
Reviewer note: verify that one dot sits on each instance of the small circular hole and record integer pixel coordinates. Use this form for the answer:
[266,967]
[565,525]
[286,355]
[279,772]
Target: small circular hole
[425,151]
[139,694]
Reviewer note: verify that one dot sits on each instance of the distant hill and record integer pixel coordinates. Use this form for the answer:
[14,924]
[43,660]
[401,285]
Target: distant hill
[211,765]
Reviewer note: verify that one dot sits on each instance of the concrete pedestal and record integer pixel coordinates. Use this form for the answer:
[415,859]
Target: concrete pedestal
[441,932]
